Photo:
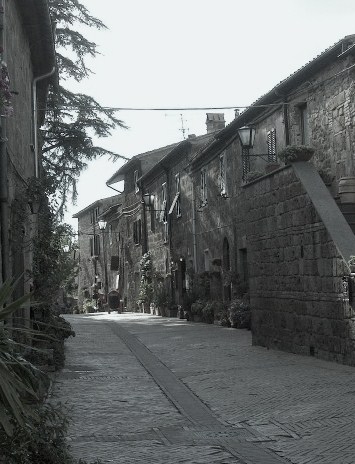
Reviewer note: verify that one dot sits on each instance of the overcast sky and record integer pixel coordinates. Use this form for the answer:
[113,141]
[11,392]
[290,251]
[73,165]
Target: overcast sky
[194,53]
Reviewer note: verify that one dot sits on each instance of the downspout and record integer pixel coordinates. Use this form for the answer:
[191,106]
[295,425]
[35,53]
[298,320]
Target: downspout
[194,242]
[35,116]
[4,196]
[287,127]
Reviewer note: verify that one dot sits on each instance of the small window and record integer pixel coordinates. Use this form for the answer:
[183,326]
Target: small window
[95,245]
[271,146]
[136,186]
[110,234]
[304,125]
[163,205]
[177,194]
[137,232]
[222,174]
[203,187]
[115,263]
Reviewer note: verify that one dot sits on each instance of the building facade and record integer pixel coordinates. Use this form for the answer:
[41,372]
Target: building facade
[27,61]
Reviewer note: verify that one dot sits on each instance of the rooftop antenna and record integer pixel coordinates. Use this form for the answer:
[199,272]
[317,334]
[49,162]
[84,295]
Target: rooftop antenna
[183,129]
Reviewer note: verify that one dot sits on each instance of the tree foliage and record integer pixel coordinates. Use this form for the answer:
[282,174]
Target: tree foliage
[73,119]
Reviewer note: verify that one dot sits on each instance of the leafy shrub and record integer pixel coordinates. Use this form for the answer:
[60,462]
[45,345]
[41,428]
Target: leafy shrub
[197,307]
[239,314]
[295,152]
[208,312]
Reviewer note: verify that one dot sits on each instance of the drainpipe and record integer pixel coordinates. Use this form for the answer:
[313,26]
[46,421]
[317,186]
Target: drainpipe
[194,242]
[35,116]
[4,195]
[287,127]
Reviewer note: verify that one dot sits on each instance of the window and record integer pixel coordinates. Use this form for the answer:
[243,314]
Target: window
[163,205]
[115,263]
[245,163]
[177,195]
[271,146]
[135,177]
[203,187]
[95,245]
[304,125]
[110,234]
[137,232]
[206,255]
[222,174]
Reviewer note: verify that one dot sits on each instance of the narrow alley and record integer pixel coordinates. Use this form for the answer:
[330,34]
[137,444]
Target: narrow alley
[145,389]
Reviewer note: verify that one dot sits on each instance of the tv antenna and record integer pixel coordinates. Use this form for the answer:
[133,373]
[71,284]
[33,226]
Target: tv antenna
[183,129]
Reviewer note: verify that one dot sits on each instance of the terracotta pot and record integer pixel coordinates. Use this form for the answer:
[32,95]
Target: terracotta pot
[347,189]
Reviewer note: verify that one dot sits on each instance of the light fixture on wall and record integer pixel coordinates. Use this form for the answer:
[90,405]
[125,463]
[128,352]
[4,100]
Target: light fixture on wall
[102,225]
[246,137]
[148,200]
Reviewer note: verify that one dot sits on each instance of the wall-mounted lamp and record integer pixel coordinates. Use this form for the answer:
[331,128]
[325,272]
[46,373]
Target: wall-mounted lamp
[102,225]
[246,136]
[148,200]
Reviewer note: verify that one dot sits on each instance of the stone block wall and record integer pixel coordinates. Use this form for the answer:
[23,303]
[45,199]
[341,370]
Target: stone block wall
[296,274]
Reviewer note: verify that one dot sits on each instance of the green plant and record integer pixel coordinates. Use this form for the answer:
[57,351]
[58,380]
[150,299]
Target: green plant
[239,314]
[197,307]
[208,312]
[295,152]
[253,175]
[20,381]
[42,443]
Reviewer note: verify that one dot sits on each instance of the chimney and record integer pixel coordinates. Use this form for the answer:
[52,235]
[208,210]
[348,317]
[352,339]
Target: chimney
[215,122]
[192,136]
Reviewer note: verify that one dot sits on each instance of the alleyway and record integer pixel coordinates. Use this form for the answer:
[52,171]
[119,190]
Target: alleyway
[145,389]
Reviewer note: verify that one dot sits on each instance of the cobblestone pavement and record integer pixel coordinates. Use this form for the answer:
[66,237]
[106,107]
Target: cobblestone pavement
[145,389]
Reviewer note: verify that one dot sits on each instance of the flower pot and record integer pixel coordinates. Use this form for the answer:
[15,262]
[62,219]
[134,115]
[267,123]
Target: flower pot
[347,189]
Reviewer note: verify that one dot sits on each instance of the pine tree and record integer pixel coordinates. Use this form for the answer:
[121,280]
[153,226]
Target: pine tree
[72,118]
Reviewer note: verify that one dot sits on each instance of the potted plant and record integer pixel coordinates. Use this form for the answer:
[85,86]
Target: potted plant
[208,312]
[293,153]
[196,310]
[239,314]
[347,189]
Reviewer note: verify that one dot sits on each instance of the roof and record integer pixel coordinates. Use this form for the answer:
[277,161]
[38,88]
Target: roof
[38,26]
[197,143]
[103,201]
[147,160]
[276,94]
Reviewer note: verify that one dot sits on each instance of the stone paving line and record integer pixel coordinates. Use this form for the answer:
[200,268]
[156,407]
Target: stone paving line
[267,406]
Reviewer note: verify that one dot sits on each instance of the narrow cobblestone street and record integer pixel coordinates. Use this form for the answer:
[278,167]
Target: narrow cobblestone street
[145,389]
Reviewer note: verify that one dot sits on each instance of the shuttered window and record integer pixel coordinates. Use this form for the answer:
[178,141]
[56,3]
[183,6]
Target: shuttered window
[271,146]
[203,187]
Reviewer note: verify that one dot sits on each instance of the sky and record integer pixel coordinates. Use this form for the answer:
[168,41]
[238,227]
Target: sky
[193,53]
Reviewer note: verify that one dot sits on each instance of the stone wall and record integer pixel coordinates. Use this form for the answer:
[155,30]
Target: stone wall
[296,273]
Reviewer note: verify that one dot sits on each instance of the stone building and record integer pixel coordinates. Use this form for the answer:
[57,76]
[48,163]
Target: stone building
[129,224]
[95,278]
[27,62]
[287,237]
[170,217]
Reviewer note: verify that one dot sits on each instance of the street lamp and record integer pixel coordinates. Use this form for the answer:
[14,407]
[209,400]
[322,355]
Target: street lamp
[102,225]
[148,200]
[246,136]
